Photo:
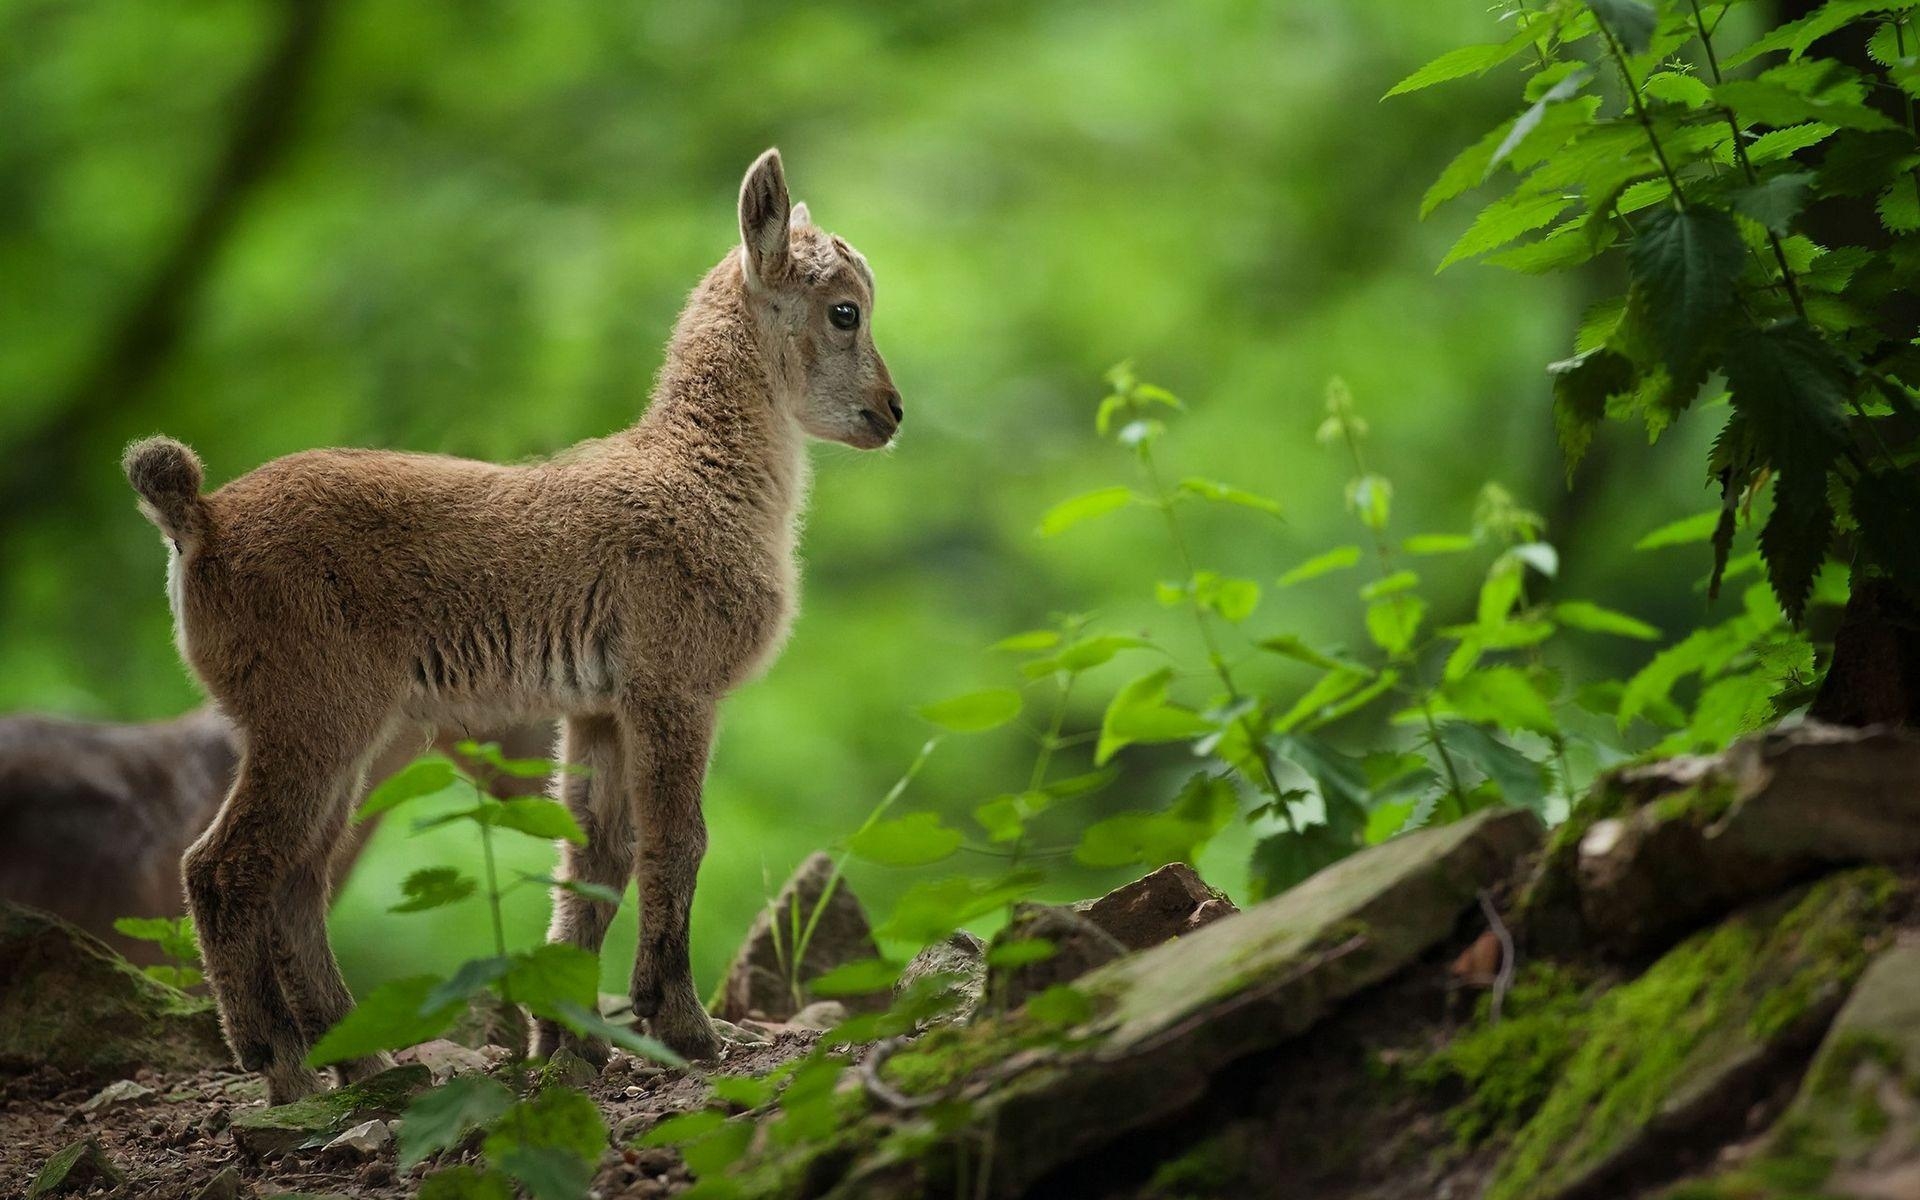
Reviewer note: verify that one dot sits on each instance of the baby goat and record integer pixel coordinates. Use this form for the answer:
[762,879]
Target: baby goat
[330,597]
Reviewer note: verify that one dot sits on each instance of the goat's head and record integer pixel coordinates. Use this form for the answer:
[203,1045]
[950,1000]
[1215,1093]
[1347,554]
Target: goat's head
[812,294]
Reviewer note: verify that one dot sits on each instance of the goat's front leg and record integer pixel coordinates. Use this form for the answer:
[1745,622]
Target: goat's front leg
[671,739]
[598,796]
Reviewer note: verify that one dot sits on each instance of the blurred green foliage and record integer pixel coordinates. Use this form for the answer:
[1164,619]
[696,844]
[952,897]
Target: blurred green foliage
[482,218]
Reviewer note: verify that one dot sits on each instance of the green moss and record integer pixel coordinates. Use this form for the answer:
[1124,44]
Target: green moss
[1507,1068]
[1703,804]
[326,1113]
[1705,1004]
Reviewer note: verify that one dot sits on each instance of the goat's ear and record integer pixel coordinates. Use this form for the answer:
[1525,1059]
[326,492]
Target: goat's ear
[801,217]
[764,215]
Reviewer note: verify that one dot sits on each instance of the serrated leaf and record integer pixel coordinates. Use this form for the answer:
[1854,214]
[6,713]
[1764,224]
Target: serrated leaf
[1521,780]
[914,840]
[1501,696]
[1290,646]
[1673,87]
[1582,385]
[439,1119]
[1393,623]
[1438,543]
[857,978]
[1503,221]
[1685,265]
[1768,102]
[434,887]
[549,1143]
[1775,201]
[1084,507]
[1797,37]
[1458,63]
[1030,642]
[933,909]
[974,712]
[389,1017]
[1337,559]
[1899,206]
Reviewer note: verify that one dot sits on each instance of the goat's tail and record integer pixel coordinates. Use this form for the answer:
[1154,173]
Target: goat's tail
[167,475]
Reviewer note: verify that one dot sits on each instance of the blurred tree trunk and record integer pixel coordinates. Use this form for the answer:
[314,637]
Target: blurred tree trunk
[140,340]
[1874,676]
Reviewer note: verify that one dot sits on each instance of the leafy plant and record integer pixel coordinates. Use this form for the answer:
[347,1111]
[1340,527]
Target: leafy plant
[175,937]
[1734,187]
[546,1143]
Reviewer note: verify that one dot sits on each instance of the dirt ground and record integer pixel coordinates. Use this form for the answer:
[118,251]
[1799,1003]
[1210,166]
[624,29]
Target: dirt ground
[174,1142]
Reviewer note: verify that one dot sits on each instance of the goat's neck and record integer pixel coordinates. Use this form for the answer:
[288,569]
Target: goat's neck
[722,408]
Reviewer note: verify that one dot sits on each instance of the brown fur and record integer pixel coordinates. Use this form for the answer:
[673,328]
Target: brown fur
[330,597]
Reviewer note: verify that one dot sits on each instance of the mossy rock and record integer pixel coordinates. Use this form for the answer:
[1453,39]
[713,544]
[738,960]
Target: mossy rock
[1685,1045]
[69,1002]
[81,1167]
[313,1121]
[1853,1128]
[1156,1025]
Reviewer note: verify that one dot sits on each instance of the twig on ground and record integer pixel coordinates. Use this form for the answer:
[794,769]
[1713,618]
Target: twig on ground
[1503,980]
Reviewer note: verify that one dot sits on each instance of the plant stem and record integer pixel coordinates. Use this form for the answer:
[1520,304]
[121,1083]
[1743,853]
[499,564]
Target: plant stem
[1043,759]
[1640,112]
[1746,165]
[1256,738]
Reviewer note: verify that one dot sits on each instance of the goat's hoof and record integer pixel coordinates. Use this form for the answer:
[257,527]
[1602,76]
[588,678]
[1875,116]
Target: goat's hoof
[354,1070]
[549,1037]
[691,1035]
[287,1084]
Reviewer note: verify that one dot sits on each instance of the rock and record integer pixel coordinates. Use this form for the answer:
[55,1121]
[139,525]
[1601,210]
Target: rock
[1155,1027]
[963,958]
[819,1016]
[1853,1129]
[1693,1042]
[364,1140]
[81,1167]
[121,1091]
[756,985]
[1655,851]
[738,1033]
[227,1185]
[1079,945]
[1165,904]
[567,1069]
[489,1021]
[69,1002]
[444,1059]
[314,1121]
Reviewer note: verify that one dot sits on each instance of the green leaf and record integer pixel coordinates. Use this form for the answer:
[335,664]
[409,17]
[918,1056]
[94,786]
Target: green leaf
[1501,696]
[546,977]
[591,891]
[1796,37]
[1003,817]
[1285,859]
[1631,22]
[1467,170]
[1582,385]
[1202,810]
[1391,585]
[536,816]
[1685,265]
[684,1128]
[472,977]
[439,1119]
[1674,87]
[1521,780]
[931,910]
[914,840]
[589,1023]
[390,1017]
[1775,201]
[742,1091]
[1085,654]
[1220,493]
[1768,102]
[550,1143]
[465,1183]
[1337,559]
[434,887]
[1394,622]
[1684,532]
[1459,63]
[1068,513]
[975,712]
[422,777]
[1331,688]
[1504,220]
[1060,1007]
[1140,712]
[857,978]
[1289,646]
[1578,614]
[1438,543]
[174,935]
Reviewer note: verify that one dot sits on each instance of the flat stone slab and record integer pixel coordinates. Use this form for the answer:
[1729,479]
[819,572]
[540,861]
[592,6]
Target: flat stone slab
[757,984]
[68,1001]
[1162,1021]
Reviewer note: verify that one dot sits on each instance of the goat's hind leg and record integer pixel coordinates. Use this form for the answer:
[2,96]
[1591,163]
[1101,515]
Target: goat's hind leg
[303,959]
[233,875]
[596,793]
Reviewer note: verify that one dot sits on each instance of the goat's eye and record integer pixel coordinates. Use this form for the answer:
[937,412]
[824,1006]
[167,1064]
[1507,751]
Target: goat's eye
[844,316]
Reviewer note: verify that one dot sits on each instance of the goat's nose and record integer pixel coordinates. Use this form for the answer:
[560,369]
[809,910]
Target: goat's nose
[893,406]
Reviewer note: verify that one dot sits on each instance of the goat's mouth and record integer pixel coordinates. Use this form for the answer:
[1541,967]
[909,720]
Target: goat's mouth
[883,429]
